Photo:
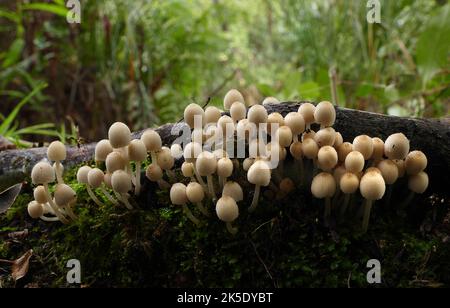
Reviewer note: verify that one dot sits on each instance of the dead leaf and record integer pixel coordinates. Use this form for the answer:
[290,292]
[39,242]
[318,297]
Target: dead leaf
[5,144]
[8,196]
[20,266]
[18,235]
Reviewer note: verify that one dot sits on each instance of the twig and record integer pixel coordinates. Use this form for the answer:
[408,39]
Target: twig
[275,284]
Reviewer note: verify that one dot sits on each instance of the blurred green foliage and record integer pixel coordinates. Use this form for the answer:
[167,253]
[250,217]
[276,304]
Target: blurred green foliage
[142,61]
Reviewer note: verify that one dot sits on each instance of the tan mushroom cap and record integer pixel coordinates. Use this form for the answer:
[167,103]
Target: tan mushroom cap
[327,158]
[284,136]
[323,185]
[396,146]
[378,149]
[257,114]
[195,192]
[35,209]
[325,114]
[102,149]
[191,151]
[212,114]
[42,173]
[82,174]
[296,150]
[325,136]
[232,96]
[56,151]
[364,145]
[178,194]
[415,162]
[226,126]
[295,122]
[107,180]
[152,140]
[121,181]
[233,190]
[310,148]
[165,159]
[338,140]
[206,163]
[274,121]
[227,209]
[192,112]
[238,111]
[115,161]
[154,172]
[259,173]
[187,169]
[354,162]
[418,183]
[388,170]
[270,100]
[338,172]
[307,111]
[224,167]
[64,194]
[137,151]
[372,185]
[349,183]
[119,135]
[95,177]
[400,166]
[247,163]
[40,195]
[343,150]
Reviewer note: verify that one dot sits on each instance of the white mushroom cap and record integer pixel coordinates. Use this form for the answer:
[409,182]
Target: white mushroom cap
[327,158]
[270,100]
[165,159]
[284,136]
[296,150]
[154,172]
[372,186]
[324,114]
[42,173]
[114,161]
[191,151]
[354,162]
[364,145]
[238,111]
[323,185]
[338,172]
[257,114]
[274,119]
[232,96]
[224,167]
[152,140]
[206,163]
[310,148]
[212,114]
[178,194]
[40,195]
[56,151]
[388,170]
[418,183]
[195,192]
[233,190]
[259,173]
[378,149]
[121,181]
[227,209]
[82,174]
[307,112]
[308,134]
[247,163]
[193,111]
[396,146]
[95,177]
[197,135]
[107,180]
[137,151]
[220,153]
[119,135]
[349,183]
[325,136]
[176,150]
[102,149]
[187,169]
[295,122]
[226,124]
[415,162]
[35,209]
[343,150]
[338,140]
[273,148]
[64,194]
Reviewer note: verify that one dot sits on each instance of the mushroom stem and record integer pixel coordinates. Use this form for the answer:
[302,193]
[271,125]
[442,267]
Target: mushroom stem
[344,206]
[327,212]
[189,215]
[69,211]
[209,179]
[366,217]
[154,158]
[124,199]
[255,199]
[222,180]
[108,196]
[54,206]
[93,196]
[137,185]
[49,219]
[58,172]
[199,179]
[295,138]
[230,228]
[202,209]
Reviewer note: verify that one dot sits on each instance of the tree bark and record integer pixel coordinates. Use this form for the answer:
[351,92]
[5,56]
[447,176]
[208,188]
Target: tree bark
[432,136]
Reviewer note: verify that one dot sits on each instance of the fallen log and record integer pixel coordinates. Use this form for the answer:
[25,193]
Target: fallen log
[432,136]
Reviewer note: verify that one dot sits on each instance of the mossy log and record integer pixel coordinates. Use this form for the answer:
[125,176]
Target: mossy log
[432,136]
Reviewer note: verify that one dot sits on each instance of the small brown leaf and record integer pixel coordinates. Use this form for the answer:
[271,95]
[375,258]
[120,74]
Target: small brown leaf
[20,266]
[8,196]
[18,235]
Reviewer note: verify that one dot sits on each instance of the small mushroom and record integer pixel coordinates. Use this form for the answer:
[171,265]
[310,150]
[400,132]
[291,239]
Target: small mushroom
[343,150]
[178,197]
[227,211]
[102,149]
[36,210]
[284,136]
[286,186]
[354,162]
[65,196]
[82,178]
[338,140]
[364,145]
[323,186]
[176,150]
[247,163]
[96,179]
[396,146]
[152,142]
[257,114]
[417,184]
[212,114]
[224,169]
[233,190]
[296,123]
[259,175]
[307,111]
[195,194]
[274,121]
[155,174]
[56,152]
[166,161]
[296,151]
[191,152]
[327,158]
[232,96]
[194,116]
[238,111]
[348,184]
[389,172]
[119,136]
[415,162]
[378,150]
[121,184]
[372,187]
[206,166]
[270,100]
[115,161]
[137,152]
[324,114]
[325,136]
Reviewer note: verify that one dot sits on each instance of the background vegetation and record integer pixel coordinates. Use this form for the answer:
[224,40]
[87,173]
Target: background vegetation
[143,61]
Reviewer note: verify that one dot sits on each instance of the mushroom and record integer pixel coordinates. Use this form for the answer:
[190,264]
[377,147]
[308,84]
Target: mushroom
[354,162]
[166,162]
[338,140]
[176,150]
[152,142]
[36,210]
[417,184]
[378,150]
[324,114]
[396,146]
[308,134]
[372,187]
[327,158]
[233,190]
[232,96]
[195,194]
[400,166]
[56,152]
[307,111]
[187,169]
[194,116]
[257,114]
[389,172]
[227,211]
[82,178]
[348,184]
[137,152]
[274,121]
[296,151]
[343,151]
[364,145]
[284,136]
[206,166]
[115,161]
[178,197]
[238,111]
[121,184]
[212,114]
[270,100]
[65,196]
[323,186]
[296,123]
[155,174]
[191,152]
[325,136]
[247,163]
[96,179]
[259,175]
[224,169]
[102,149]
[415,162]
[286,186]
[119,136]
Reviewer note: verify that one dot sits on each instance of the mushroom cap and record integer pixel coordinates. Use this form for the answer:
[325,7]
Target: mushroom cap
[364,145]
[154,172]
[64,194]
[338,172]
[224,167]
[165,159]
[270,100]
[233,190]
[378,149]
[102,149]
[247,163]
[176,150]
[286,185]
[284,136]
[178,194]
[354,162]
[42,173]
[338,140]
[82,174]
[220,153]
[206,163]
[418,183]
[323,185]
[308,134]
[152,140]
[296,150]
[327,158]
[275,120]
[197,135]
[232,96]
[396,146]
[238,111]
[372,186]
[257,114]
[400,166]
[107,180]
[191,151]
[388,170]
[56,151]
[35,209]
[226,125]
[310,148]
[307,111]
[95,177]
[192,112]
[195,192]
[40,195]
[273,148]
[343,150]
[259,173]
[119,135]
[115,161]
[212,114]
[325,136]
[415,162]
[349,183]
[187,169]
[137,151]
[121,181]
[325,114]
[295,122]
[227,209]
